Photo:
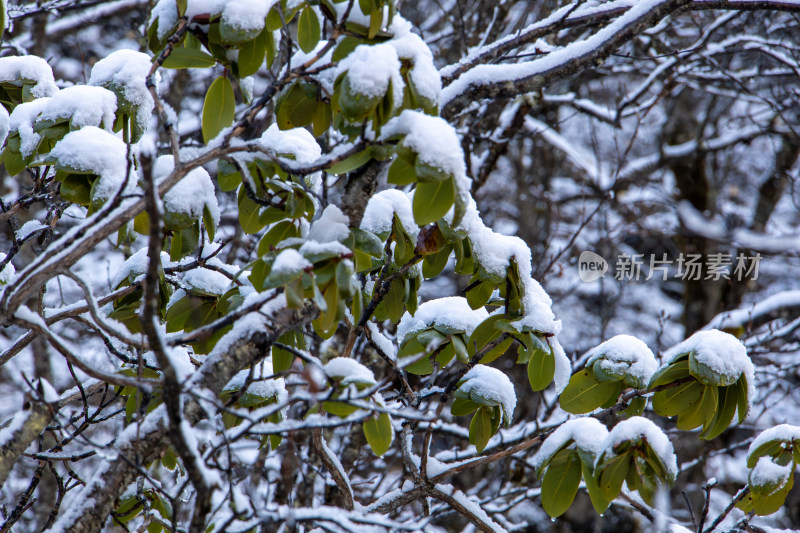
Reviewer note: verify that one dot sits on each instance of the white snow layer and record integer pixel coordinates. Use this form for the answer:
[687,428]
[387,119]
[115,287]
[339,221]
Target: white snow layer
[768,473]
[721,352]
[29,69]
[625,355]
[372,70]
[636,429]
[349,371]
[491,384]
[208,281]
[452,312]
[586,433]
[289,262]
[432,138]
[296,144]
[332,225]
[380,211]
[191,194]
[782,432]
[83,105]
[8,271]
[126,71]
[21,120]
[263,388]
[91,149]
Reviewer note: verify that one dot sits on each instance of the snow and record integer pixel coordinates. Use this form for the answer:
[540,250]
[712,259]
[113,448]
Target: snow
[21,120]
[209,281]
[314,247]
[245,15]
[191,194]
[28,228]
[563,368]
[380,211]
[91,149]
[289,263]
[125,72]
[452,312]
[721,352]
[472,506]
[371,70]
[488,383]
[627,356]
[432,138]
[263,388]
[410,46]
[782,432]
[587,434]
[83,105]
[29,68]
[744,315]
[8,433]
[332,225]
[296,144]
[349,371]
[5,125]
[767,473]
[636,429]
[8,271]
[382,341]
[135,266]
[494,74]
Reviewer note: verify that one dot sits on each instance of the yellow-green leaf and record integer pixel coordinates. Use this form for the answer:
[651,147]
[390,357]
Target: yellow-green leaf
[560,482]
[308,30]
[378,431]
[219,108]
[433,200]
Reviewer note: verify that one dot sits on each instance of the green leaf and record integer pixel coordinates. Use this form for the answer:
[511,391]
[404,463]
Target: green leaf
[219,108]
[584,393]
[3,16]
[378,431]
[276,234]
[433,264]
[394,300]
[480,429]
[308,30]
[169,460]
[249,214]
[742,400]
[560,482]
[182,57]
[769,449]
[769,504]
[700,411]
[251,55]
[612,475]
[401,172]
[340,409]
[541,369]
[479,295]
[351,163]
[670,373]
[599,502]
[676,400]
[76,188]
[432,201]
[345,46]
[463,406]
[725,411]
[208,223]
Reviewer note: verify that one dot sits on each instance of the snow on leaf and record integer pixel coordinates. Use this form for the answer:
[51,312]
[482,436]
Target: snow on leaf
[625,356]
[492,386]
